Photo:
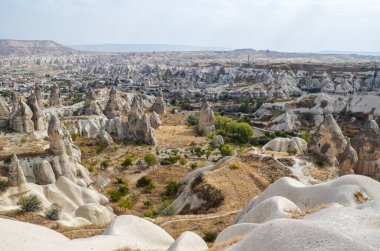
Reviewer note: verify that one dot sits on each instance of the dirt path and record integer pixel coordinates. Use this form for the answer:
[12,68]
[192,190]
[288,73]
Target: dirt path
[199,218]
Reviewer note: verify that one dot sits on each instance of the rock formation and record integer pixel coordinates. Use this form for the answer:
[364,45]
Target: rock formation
[218,141]
[38,115]
[113,108]
[293,145]
[159,104]
[155,120]
[15,174]
[4,114]
[37,92]
[206,119]
[21,119]
[330,141]
[91,106]
[55,96]
[367,146]
[140,130]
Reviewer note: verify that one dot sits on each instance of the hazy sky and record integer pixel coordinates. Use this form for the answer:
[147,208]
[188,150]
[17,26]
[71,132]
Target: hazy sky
[285,25]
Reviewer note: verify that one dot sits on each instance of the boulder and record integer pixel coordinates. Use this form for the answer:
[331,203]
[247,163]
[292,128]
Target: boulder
[189,241]
[218,141]
[155,120]
[95,213]
[55,96]
[206,119]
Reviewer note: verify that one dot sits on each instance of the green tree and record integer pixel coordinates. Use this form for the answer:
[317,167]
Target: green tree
[150,159]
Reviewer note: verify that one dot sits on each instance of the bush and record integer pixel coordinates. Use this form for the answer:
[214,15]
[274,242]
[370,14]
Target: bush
[116,195]
[234,166]
[151,213]
[148,203]
[197,151]
[127,162]
[53,212]
[150,159]
[166,201]
[259,102]
[4,184]
[105,164]
[194,165]
[119,181]
[172,188]
[144,181]
[292,151]
[102,145]
[209,236]
[226,150]
[193,120]
[126,202]
[24,140]
[75,135]
[306,136]
[30,203]
[321,159]
[173,159]
[183,161]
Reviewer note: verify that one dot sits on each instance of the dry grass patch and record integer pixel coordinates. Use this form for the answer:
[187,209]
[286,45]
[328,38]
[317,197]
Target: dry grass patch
[298,215]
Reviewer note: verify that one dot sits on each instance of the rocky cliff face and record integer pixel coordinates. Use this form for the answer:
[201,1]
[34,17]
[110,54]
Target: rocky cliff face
[367,145]
[206,119]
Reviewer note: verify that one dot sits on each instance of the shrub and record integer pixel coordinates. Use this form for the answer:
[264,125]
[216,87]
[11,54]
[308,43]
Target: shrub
[209,236]
[144,181]
[292,151]
[119,181]
[150,186]
[115,195]
[182,161]
[126,202]
[148,203]
[75,135]
[53,212]
[151,213]
[4,184]
[24,140]
[30,203]
[166,201]
[193,120]
[197,151]
[150,159]
[239,132]
[234,166]
[306,136]
[201,133]
[226,150]
[259,102]
[320,159]
[172,188]
[194,165]
[127,162]
[105,164]
[101,146]
[173,159]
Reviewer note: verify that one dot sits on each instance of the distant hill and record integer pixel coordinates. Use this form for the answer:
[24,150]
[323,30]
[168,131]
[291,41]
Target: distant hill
[363,53]
[142,47]
[10,47]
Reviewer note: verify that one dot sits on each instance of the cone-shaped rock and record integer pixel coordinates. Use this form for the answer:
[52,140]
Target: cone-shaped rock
[206,119]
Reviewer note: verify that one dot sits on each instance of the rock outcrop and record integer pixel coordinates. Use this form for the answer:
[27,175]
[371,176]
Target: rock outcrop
[15,174]
[55,96]
[37,92]
[330,141]
[155,120]
[159,104]
[91,106]
[206,119]
[113,108]
[218,141]
[139,129]
[367,146]
[38,115]
[21,119]
[15,100]
[4,114]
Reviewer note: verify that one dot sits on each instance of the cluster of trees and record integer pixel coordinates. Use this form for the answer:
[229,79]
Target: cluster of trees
[238,132]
